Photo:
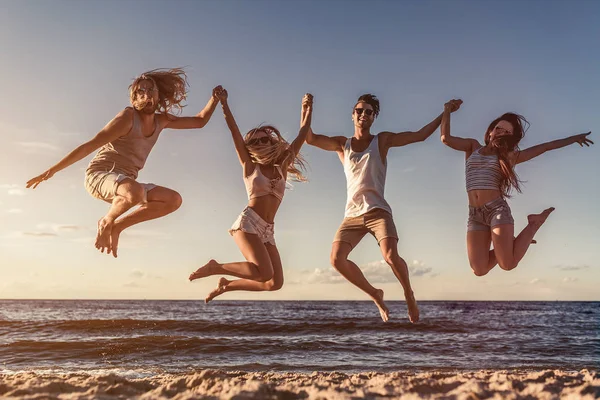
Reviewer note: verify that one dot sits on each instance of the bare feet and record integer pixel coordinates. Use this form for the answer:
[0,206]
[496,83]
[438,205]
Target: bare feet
[114,240]
[383,310]
[103,235]
[411,304]
[218,291]
[536,220]
[204,271]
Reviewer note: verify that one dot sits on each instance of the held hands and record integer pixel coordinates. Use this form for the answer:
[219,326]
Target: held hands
[453,105]
[217,93]
[582,139]
[34,182]
[307,102]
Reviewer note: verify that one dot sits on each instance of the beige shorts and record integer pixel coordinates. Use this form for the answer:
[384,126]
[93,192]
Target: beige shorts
[377,222]
[250,222]
[103,185]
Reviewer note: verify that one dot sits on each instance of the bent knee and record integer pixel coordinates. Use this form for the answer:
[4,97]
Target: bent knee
[272,285]
[479,269]
[265,277]
[508,265]
[175,201]
[336,258]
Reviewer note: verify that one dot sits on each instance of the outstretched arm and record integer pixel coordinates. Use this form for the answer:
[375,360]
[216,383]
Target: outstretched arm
[238,140]
[404,138]
[117,127]
[305,121]
[532,152]
[456,143]
[200,119]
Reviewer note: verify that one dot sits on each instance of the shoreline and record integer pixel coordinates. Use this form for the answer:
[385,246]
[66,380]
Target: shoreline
[219,383]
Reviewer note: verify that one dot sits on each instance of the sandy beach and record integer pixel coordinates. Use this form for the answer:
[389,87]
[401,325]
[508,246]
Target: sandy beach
[218,384]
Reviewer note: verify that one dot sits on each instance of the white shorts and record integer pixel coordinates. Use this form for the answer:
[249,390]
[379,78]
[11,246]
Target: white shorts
[250,222]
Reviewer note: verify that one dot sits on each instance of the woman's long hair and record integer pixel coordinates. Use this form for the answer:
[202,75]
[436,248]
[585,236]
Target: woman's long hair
[172,89]
[276,153]
[505,145]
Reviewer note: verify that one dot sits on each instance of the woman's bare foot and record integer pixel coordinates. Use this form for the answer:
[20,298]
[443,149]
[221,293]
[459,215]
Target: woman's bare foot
[411,304]
[537,220]
[383,310]
[103,235]
[204,271]
[222,285]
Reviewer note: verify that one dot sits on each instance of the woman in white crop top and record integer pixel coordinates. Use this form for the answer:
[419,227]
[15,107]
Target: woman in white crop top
[267,160]
[490,176]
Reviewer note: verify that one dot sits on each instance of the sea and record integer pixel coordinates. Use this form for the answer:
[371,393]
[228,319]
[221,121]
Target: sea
[148,337]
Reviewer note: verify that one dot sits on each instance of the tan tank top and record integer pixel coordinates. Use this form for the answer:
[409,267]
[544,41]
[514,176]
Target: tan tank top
[126,155]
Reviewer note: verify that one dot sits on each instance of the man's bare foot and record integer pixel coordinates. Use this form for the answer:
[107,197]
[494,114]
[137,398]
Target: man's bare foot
[411,304]
[204,271]
[114,240]
[538,219]
[103,235]
[383,310]
[218,291]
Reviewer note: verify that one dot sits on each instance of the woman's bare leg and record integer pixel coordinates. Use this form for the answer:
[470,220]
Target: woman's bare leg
[508,251]
[258,266]
[275,283]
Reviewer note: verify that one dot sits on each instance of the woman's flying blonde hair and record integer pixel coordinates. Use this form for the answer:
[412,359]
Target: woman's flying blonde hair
[276,153]
[172,89]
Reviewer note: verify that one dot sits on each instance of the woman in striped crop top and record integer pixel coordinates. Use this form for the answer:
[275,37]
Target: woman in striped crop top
[490,177]
[267,160]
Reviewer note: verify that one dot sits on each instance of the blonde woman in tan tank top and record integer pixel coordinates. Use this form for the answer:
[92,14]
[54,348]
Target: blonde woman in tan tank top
[267,160]
[125,143]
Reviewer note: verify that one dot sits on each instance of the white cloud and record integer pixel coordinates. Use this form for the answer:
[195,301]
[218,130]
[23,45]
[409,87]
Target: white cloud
[132,285]
[14,211]
[376,272]
[535,281]
[328,275]
[142,233]
[572,267]
[13,189]
[570,279]
[37,147]
[136,273]
[139,274]
[409,169]
[39,234]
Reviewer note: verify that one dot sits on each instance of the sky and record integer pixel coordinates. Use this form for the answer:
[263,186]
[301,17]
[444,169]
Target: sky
[65,68]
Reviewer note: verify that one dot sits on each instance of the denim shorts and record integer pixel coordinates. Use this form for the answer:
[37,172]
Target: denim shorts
[496,212]
[250,222]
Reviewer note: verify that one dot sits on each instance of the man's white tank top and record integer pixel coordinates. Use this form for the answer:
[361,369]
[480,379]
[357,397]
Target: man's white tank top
[365,179]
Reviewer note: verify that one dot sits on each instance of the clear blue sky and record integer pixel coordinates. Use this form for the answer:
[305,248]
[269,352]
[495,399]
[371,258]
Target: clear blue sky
[65,67]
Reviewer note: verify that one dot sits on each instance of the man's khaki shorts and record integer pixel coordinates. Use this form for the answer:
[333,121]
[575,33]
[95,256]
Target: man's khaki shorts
[377,222]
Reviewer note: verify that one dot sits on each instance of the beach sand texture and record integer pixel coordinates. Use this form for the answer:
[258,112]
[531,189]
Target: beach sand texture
[219,384]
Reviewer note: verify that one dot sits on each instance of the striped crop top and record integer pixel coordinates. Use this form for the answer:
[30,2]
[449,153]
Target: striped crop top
[483,172]
[258,185]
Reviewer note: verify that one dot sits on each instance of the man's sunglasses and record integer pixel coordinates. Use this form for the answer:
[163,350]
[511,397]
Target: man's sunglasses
[261,140]
[368,112]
